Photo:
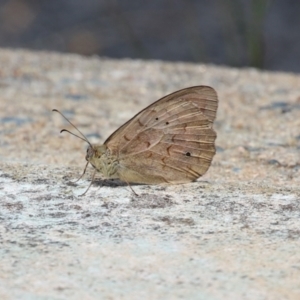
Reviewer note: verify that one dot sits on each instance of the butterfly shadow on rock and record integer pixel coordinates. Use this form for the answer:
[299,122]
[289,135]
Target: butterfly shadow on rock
[112,183]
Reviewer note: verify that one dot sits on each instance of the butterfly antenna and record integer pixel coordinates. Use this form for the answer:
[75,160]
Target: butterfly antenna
[66,130]
[84,137]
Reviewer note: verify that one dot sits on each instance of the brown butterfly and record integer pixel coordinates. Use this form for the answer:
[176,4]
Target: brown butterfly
[170,141]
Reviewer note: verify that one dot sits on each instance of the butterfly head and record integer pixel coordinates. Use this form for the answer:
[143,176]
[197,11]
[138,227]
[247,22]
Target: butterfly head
[94,153]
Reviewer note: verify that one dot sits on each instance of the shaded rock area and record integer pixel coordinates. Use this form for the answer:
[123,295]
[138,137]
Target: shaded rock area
[235,233]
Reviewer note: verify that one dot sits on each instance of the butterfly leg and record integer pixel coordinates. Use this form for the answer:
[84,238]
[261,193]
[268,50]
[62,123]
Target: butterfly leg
[131,188]
[93,179]
[82,173]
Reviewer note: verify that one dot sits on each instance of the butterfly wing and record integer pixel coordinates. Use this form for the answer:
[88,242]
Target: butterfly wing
[171,140]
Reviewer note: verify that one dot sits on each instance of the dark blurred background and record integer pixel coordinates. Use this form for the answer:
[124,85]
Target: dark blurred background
[259,33]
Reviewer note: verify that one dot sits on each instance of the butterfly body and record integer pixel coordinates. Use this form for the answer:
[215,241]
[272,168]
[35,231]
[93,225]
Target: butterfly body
[170,141]
[99,156]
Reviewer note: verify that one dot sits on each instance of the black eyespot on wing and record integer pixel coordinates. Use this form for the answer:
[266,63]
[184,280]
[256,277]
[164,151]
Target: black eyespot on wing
[167,123]
[156,119]
[188,154]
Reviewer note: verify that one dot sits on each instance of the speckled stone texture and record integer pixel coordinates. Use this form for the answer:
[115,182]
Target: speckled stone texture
[233,234]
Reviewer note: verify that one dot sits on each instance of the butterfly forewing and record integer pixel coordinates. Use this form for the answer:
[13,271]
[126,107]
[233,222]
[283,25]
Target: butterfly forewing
[204,97]
[171,140]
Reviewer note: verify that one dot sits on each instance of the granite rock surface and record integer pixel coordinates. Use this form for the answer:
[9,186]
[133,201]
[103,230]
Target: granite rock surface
[233,234]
